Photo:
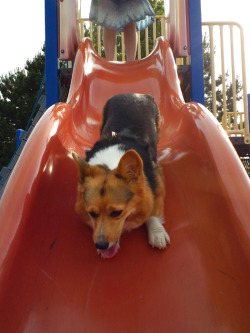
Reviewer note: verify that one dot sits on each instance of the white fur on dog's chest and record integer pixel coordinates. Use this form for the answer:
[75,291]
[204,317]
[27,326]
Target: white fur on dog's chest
[109,156]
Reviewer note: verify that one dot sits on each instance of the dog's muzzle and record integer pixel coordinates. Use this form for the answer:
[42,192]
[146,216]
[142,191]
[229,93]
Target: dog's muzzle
[102,245]
[106,249]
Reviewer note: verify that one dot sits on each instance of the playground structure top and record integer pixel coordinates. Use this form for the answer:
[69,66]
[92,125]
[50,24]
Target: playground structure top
[183,27]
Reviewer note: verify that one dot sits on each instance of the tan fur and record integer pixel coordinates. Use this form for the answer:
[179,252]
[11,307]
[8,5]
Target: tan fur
[114,201]
[158,207]
[103,192]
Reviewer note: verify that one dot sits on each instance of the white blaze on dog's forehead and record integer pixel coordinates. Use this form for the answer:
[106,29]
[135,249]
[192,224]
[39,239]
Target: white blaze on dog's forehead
[109,156]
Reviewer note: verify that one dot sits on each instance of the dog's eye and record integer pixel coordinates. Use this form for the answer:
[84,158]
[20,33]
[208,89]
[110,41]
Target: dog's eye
[115,213]
[93,214]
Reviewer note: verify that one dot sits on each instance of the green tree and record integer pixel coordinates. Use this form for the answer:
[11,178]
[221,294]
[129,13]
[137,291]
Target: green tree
[18,93]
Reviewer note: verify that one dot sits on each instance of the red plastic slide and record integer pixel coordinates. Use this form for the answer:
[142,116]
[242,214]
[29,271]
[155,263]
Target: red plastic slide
[51,279]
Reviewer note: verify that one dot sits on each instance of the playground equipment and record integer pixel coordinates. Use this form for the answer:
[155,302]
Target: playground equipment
[51,279]
[185,36]
[174,25]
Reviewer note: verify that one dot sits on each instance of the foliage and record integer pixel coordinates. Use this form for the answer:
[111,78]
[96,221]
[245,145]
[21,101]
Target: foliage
[18,93]
[158,6]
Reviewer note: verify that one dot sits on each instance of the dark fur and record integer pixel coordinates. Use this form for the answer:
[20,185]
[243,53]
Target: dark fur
[133,116]
[131,120]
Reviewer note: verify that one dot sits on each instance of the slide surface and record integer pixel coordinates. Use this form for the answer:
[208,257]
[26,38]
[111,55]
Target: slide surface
[51,279]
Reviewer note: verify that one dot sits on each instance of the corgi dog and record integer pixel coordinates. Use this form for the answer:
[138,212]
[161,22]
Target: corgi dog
[120,183]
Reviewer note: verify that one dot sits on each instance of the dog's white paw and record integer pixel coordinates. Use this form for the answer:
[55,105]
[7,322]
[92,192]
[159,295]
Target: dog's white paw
[157,235]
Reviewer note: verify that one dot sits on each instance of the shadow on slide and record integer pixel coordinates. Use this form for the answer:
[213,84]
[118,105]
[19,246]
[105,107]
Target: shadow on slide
[51,279]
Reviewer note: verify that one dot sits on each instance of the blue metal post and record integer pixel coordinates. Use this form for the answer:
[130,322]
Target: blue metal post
[51,61]
[197,78]
[19,132]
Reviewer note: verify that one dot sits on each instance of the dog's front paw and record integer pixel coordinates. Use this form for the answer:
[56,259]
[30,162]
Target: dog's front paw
[157,235]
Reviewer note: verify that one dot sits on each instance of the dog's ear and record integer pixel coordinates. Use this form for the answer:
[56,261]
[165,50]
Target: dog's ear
[83,166]
[130,166]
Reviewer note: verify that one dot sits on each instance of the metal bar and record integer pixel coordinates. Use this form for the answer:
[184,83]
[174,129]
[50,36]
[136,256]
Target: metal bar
[244,85]
[154,31]
[233,75]
[51,52]
[146,41]
[236,132]
[239,120]
[162,26]
[248,99]
[91,30]
[123,47]
[197,79]
[99,32]
[138,45]
[214,107]
[160,18]
[224,96]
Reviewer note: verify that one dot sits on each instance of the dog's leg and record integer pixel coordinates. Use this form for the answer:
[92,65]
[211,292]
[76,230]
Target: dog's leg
[157,235]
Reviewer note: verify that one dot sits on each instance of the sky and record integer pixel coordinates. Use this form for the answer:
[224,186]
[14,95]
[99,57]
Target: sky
[22,32]
[22,27]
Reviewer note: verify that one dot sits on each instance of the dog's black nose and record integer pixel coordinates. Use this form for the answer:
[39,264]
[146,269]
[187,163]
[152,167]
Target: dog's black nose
[102,245]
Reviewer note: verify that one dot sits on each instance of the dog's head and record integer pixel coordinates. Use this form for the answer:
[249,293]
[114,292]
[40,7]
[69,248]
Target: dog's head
[115,200]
